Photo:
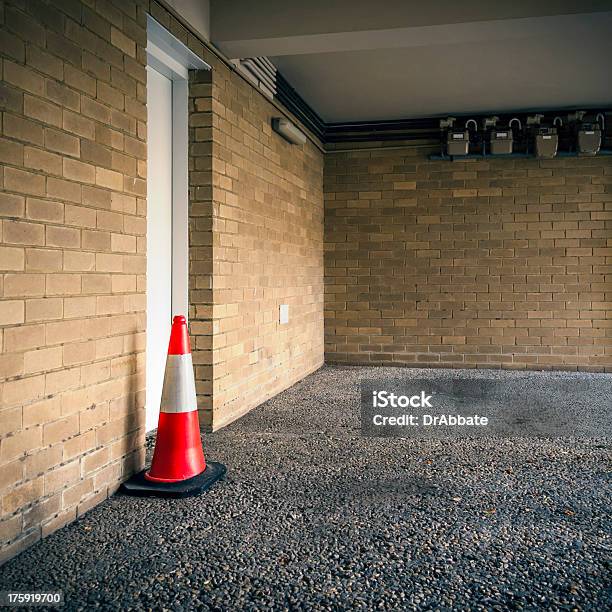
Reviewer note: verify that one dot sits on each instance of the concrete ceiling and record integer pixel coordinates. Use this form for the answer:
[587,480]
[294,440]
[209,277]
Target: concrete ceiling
[358,60]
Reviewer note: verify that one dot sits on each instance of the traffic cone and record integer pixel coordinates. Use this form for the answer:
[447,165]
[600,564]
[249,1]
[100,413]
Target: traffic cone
[178,467]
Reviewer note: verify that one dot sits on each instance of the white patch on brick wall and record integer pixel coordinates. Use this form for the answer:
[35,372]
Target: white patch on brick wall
[283,314]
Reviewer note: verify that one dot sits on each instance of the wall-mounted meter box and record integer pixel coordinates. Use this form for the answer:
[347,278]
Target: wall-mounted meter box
[500,142]
[546,142]
[457,143]
[589,139]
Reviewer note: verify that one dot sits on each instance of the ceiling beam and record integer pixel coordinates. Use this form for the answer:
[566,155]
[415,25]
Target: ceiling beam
[268,27]
[458,33]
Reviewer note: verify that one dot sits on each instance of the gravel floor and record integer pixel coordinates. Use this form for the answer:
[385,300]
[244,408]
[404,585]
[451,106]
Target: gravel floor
[314,516]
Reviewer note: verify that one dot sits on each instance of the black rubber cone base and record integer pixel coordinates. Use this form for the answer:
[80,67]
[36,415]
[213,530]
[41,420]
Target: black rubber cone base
[139,485]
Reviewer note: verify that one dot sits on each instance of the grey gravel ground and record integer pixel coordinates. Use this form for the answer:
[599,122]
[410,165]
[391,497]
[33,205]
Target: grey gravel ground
[314,516]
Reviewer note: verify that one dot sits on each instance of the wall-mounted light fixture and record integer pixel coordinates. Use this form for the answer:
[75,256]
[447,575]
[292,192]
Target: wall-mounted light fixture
[288,131]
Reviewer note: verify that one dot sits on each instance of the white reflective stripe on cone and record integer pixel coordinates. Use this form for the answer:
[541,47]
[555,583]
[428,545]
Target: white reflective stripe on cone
[179,394]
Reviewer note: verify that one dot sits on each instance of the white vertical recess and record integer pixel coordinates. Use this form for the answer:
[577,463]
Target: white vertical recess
[168,65]
[159,236]
[180,199]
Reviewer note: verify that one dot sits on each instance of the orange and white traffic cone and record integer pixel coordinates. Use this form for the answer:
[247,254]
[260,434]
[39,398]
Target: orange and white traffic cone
[178,467]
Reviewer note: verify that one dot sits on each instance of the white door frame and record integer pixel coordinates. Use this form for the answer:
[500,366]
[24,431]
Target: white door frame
[169,57]
[173,59]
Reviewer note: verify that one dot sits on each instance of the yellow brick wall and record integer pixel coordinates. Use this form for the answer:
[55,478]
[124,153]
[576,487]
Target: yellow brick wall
[492,263]
[73,253]
[200,236]
[256,243]
[72,259]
